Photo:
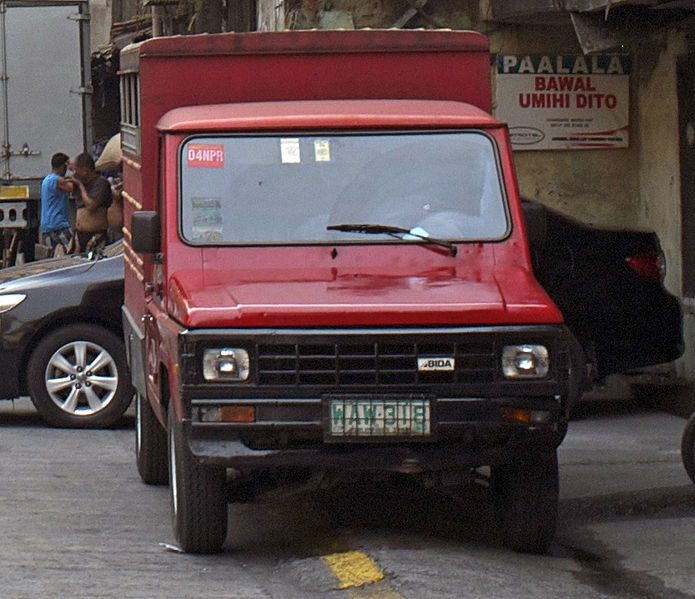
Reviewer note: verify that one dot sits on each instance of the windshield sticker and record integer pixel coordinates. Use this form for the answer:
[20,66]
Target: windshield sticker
[289,149]
[207,219]
[205,155]
[322,150]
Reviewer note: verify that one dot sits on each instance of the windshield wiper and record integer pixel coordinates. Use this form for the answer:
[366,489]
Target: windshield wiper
[398,232]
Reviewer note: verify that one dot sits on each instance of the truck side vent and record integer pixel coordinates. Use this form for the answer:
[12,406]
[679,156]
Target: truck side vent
[379,363]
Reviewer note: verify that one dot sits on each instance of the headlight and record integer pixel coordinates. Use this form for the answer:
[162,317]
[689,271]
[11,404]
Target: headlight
[525,361]
[11,300]
[226,364]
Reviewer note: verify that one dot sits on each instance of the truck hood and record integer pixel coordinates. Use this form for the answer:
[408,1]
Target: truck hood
[327,297]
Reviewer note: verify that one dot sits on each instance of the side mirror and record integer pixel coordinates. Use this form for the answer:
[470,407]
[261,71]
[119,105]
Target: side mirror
[146,232]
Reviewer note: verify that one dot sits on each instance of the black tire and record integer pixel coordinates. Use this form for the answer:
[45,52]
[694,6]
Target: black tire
[198,499]
[525,499]
[688,447]
[151,453]
[77,377]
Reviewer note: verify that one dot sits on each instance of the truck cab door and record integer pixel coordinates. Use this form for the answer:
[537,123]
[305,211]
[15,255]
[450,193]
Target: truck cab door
[153,340]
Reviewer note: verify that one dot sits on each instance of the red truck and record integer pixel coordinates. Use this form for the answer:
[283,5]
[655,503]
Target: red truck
[327,269]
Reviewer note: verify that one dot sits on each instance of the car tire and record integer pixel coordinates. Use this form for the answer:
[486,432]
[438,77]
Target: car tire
[150,444]
[525,499]
[688,447]
[77,377]
[198,498]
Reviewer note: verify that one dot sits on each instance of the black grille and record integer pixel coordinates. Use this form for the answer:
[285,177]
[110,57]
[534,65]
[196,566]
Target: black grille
[382,363]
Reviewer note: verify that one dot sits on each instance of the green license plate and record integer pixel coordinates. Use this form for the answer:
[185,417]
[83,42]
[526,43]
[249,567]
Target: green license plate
[379,417]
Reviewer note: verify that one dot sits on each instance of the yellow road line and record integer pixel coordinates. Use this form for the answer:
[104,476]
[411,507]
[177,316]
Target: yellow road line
[353,568]
[360,575]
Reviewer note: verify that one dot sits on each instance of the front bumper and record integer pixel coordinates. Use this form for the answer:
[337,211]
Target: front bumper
[477,415]
[464,433]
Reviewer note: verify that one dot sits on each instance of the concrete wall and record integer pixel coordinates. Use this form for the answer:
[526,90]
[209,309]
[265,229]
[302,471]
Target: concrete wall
[595,186]
[656,138]
[659,172]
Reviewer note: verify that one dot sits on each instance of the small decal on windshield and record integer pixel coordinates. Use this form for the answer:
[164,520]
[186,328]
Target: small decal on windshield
[207,219]
[322,150]
[289,149]
[205,155]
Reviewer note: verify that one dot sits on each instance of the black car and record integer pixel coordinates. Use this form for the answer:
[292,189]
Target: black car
[62,341]
[609,286]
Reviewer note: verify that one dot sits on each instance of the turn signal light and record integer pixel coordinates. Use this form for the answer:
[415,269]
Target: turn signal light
[238,414]
[525,416]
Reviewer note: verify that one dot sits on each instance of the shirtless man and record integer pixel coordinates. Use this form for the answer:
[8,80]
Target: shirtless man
[93,201]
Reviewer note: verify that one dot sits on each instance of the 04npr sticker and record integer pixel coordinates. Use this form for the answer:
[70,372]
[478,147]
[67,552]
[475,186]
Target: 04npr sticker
[205,155]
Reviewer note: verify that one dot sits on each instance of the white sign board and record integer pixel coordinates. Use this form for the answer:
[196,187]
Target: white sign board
[564,102]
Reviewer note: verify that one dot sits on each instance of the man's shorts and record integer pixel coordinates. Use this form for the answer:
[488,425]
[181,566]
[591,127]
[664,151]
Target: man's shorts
[88,241]
[58,241]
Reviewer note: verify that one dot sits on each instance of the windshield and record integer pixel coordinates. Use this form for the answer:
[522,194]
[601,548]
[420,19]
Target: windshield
[289,189]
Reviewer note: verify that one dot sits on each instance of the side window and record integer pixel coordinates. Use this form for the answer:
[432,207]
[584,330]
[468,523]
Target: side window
[130,111]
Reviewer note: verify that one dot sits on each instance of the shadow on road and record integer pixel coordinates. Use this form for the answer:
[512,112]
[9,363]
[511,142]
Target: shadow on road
[9,416]
[605,408]
[21,413]
[307,520]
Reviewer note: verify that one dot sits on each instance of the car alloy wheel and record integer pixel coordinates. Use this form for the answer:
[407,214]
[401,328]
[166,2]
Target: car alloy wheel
[77,377]
[81,378]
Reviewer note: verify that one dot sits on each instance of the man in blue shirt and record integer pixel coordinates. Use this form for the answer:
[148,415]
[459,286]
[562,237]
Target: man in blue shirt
[55,209]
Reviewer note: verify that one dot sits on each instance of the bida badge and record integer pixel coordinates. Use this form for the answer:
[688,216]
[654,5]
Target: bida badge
[445,364]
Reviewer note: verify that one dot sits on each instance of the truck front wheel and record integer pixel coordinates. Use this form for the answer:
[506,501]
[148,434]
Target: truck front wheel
[150,444]
[198,499]
[525,498]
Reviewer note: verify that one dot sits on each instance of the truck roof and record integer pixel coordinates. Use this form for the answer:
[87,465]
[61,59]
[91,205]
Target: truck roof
[309,65]
[313,41]
[322,114]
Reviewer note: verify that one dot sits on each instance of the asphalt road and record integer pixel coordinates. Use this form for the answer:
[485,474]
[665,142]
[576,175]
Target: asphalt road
[76,522]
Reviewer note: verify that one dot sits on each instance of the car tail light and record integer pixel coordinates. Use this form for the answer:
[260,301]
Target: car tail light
[648,264]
